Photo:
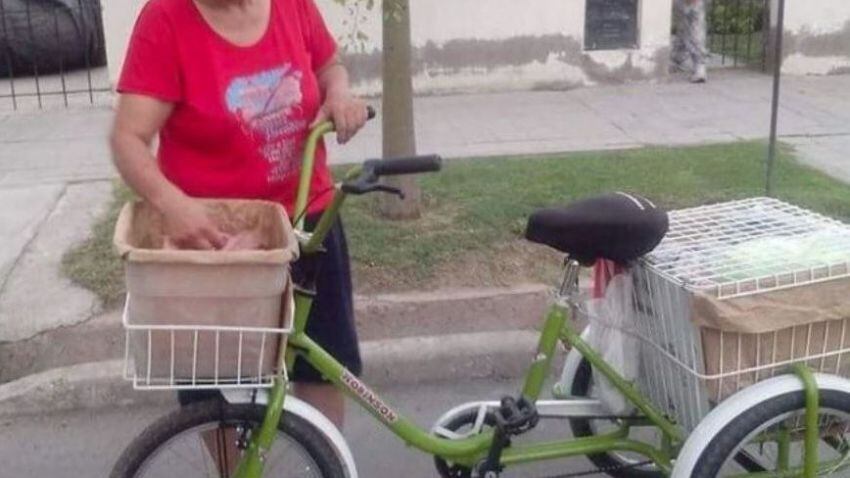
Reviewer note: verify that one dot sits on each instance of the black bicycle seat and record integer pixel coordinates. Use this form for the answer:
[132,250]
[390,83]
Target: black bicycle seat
[620,227]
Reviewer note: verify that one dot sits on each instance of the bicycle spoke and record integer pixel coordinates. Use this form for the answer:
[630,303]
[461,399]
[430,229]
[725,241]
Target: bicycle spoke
[778,447]
[201,464]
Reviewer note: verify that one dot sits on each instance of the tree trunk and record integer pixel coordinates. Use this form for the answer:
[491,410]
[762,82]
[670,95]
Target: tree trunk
[399,134]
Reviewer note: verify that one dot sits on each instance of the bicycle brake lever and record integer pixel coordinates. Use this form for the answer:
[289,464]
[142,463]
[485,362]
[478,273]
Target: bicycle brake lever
[389,189]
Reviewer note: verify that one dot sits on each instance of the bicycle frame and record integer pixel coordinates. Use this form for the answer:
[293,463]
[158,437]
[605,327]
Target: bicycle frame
[469,451]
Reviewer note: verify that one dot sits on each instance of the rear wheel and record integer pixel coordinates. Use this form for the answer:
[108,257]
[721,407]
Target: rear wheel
[770,434]
[207,439]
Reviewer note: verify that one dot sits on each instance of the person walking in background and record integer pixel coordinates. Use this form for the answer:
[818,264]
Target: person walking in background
[690,49]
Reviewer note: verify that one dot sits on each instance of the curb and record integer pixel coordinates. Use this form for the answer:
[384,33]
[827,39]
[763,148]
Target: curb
[440,312]
[379,317]
[412,360]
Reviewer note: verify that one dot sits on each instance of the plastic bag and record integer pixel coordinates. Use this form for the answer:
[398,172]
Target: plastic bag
[783,254]
[611,317]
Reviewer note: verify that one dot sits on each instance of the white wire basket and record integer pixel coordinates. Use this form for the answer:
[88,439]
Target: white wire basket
[196,357]
[726,252]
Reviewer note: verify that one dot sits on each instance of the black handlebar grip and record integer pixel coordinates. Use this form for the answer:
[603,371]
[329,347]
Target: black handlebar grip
[370,112]
[398,166]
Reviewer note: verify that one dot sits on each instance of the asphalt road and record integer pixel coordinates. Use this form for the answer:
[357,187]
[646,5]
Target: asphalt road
[86,443]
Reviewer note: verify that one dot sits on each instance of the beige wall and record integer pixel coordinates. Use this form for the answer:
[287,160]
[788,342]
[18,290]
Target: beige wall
[481,45]
[476,45]
[118,19]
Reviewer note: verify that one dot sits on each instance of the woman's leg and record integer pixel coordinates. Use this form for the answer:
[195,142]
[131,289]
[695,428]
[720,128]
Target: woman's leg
[325,398]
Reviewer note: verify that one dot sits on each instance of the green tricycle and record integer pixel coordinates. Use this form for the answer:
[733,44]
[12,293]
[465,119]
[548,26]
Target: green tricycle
[793,424]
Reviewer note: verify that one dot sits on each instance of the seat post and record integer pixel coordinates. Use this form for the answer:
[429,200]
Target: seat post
[569,284]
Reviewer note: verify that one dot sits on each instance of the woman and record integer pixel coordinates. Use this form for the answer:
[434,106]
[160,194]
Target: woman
[232,88]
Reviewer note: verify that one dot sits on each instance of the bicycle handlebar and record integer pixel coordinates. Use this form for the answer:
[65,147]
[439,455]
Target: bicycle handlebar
[373,169]
[361,180]
[398,166]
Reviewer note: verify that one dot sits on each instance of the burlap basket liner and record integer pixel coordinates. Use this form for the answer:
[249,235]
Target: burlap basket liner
[777,327]
[246,289]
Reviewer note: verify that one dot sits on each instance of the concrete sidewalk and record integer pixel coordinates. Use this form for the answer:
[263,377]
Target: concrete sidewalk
[55,167]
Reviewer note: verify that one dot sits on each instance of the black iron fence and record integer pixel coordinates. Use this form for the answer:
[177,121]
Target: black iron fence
[52,52]
[738,32]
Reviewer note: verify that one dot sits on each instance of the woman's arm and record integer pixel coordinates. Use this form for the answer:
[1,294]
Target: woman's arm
[138,119]
[347,112]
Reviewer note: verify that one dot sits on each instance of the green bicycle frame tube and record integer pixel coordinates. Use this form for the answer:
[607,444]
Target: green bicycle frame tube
[783,455]
[556,320]
[812,434]
[307,171]
[251,465]
[314,244]
[468,451]
[414,436]
[616,441]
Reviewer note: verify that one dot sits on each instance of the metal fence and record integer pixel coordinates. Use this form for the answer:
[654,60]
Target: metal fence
[738,32]
[52,53]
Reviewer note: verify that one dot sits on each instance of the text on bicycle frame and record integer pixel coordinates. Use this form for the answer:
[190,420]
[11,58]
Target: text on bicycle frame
[368,396]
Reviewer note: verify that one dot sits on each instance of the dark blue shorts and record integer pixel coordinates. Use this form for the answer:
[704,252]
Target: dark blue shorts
[331,323]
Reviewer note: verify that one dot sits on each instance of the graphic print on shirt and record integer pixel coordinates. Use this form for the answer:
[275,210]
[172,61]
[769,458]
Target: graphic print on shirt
[267,105]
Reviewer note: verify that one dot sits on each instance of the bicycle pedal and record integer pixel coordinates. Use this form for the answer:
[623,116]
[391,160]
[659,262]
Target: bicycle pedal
[515,417]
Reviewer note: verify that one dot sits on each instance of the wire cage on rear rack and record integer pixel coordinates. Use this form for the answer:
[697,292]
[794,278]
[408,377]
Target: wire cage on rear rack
[736,293]
[183,357]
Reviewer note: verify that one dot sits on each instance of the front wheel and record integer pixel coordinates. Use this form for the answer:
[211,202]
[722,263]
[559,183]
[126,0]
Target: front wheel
[770,434]
[207,439]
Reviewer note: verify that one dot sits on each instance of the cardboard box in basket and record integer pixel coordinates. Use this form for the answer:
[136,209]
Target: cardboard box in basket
[758,331]
[245,289]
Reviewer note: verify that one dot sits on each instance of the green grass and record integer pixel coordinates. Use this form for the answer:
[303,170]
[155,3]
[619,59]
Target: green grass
[94,264]
[477,208]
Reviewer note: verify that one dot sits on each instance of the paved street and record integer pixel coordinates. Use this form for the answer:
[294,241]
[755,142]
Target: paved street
[86,444]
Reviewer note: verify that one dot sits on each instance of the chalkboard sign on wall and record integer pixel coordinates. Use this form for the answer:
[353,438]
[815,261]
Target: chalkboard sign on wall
[610,24]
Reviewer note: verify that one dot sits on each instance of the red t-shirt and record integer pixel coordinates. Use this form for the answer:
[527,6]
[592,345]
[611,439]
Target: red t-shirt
[241,114]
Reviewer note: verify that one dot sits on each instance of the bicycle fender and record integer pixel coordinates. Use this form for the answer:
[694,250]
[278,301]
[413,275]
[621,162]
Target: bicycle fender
[304,410]
[737,404]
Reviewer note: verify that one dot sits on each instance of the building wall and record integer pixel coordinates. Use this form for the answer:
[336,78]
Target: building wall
[474,45]
[118,19]
[496,45]
[817,37]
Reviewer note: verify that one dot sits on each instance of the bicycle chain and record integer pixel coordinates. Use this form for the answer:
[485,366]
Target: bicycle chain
[601,470]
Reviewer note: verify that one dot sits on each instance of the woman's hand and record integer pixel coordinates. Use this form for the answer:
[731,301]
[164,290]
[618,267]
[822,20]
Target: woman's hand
[187,226]
[347,113]
[137,121]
